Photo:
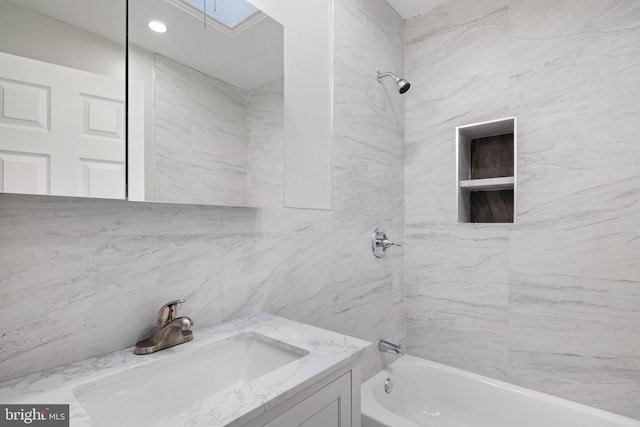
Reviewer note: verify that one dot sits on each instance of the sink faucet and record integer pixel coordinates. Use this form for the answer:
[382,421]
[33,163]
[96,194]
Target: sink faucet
[389,347]
[169,331]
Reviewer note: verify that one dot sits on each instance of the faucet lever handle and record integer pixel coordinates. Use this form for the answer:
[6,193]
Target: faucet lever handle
[380,243]
[168,311]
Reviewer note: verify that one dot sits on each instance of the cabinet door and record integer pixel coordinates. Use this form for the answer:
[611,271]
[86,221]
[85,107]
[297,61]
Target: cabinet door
[329,407]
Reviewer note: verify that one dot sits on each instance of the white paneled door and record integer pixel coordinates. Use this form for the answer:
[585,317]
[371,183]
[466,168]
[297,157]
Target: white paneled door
[62,130]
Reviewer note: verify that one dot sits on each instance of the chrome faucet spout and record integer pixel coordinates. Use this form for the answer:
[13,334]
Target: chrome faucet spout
[388,347]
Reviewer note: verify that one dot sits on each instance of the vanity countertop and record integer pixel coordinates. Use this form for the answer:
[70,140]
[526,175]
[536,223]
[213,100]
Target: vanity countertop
[327,352]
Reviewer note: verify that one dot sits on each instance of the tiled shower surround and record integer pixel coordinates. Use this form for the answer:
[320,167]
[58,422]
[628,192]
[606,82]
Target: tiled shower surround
[551,302]
[85,277]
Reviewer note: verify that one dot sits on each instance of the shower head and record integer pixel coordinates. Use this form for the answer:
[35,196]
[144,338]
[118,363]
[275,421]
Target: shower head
[402,84]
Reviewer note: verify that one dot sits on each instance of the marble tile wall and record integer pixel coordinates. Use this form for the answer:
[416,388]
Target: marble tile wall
[551,302]
[200,132]
[215,143]
[265,148]
[368,129]
[82,277]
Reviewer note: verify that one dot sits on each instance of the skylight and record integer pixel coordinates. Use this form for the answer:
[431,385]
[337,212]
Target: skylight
[230,13]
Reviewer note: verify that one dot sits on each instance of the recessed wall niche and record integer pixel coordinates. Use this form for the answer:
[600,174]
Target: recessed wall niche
[486,171]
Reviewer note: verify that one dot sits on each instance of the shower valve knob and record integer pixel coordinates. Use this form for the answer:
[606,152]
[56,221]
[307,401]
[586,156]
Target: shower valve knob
[380,243]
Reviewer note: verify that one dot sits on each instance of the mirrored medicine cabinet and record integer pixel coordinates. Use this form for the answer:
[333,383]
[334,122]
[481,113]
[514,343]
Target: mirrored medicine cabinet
[205,102]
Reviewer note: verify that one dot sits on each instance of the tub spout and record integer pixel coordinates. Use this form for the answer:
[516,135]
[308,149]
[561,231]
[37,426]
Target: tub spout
[389,347]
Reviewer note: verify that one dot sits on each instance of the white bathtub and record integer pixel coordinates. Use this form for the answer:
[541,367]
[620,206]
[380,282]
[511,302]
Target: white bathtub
[430,394]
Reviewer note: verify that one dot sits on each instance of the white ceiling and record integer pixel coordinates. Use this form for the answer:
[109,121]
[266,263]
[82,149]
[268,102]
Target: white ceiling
[410,8]
[246,60]
[104,18]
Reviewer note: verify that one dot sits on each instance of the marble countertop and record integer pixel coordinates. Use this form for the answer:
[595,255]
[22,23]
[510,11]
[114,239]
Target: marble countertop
[327,352]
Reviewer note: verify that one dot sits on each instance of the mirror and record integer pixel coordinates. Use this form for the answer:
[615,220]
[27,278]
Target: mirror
[206,104]
[62,97]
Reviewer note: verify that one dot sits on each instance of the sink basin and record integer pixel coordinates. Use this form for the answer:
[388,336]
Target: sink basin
[149,394]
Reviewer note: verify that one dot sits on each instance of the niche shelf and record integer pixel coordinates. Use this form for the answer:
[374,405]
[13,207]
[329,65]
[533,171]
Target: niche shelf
[486,171]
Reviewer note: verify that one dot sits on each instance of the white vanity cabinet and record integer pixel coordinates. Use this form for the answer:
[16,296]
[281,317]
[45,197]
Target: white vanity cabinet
[331,402]
[330,407]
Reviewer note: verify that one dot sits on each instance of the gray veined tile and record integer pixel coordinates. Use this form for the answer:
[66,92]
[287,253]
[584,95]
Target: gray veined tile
[574,296]
[368,120]
[541,20]
[51,217]
[265,150]
[200,137]
[564,315]
[123,279]
[251,220]
[592,381]
[457,297]
[272,271]
[590,252]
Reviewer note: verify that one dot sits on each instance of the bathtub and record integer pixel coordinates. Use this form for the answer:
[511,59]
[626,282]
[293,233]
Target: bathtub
[429,394]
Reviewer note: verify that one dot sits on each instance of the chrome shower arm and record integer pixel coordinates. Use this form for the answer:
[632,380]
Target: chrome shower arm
[386,74]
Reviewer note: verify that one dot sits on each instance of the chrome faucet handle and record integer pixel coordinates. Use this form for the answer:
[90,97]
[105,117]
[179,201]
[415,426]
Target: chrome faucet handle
[388,243]
[380,243]
[168,311]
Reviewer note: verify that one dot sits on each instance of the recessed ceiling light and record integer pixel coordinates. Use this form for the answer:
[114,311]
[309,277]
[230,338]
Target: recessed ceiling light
[158,26]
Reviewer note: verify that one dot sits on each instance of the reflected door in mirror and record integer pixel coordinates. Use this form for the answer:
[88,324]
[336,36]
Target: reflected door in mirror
[62,124]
